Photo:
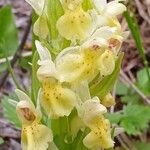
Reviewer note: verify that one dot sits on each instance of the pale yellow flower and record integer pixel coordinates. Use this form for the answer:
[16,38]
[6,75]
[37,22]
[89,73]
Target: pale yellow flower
[76,64]
[100,135]
[75,23]
[40,27]
[106,13]
[34,136]
[108,100]
[56,99]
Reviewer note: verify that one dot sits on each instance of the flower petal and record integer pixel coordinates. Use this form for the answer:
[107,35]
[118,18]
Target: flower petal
[106,63]
[93,109]
[47,70]
[100,134]
[65,103]
[114,8]
[40,27]
[74,25]
[100,5]
[47,67]
[80,65]
[91,141]
[68,50]
[36,137]
[56,100]
[22,96]
[37,5]
[83,91]
[43,51]
[68,67]
[104,32]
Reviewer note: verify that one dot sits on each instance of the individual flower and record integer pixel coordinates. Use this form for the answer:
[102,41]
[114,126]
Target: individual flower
[100,134]
[105,14]
[56,99]
[108,100]
[34,136]
[40,27]
[75,23]
[85,62]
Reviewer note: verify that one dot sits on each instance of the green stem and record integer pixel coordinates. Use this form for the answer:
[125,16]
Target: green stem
[147,68]
[12,74]
[79,142]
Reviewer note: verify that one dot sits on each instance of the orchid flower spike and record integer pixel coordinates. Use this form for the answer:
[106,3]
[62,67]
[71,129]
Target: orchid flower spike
[34,136]
[56,99]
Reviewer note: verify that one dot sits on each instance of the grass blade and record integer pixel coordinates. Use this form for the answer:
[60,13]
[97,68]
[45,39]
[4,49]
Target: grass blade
[134,28]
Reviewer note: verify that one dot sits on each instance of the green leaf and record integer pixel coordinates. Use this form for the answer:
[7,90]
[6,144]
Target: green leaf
[114,117]
[142,145]
[136,119]
[60,130]
[121,89]
[8,32]
[87,5]
[55,11]
[130,98]
[1,141]
[9,111]
[105,86]
[78,142]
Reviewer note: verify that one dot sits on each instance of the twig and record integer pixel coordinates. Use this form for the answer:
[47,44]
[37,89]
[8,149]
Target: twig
[8,131]
[17,55]
[122,143]
[126,142]
[26,54]
[136,89]
[142,12]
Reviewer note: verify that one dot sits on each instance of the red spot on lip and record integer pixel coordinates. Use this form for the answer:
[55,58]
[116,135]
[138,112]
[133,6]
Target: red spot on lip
[113,43]
[95,47]
[28,114]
